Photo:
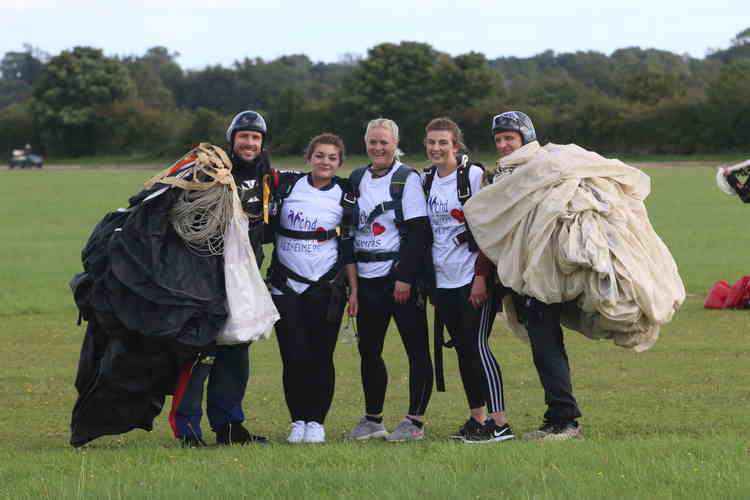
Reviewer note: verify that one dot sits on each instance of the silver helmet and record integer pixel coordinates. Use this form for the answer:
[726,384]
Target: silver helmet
[246,120]
[514,121]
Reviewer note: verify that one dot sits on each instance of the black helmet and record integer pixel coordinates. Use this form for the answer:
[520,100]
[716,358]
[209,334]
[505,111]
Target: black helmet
[515,121]
[246,120]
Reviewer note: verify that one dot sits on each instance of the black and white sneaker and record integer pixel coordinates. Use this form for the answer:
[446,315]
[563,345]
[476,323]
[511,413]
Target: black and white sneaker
[490,432]
[471,426]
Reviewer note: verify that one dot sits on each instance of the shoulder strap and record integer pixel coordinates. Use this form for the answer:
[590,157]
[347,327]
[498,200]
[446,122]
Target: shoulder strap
[346,187]
[348,202]
[463,184]
[355,178]
[284,183]
[398,183]
[429,176]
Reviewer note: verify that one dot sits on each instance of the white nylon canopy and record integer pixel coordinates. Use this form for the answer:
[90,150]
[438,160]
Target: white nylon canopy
[252,312]
[570,225]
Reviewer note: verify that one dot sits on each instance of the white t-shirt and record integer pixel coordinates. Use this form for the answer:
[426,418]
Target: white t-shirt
[309,209]
[454,265]
[382,235]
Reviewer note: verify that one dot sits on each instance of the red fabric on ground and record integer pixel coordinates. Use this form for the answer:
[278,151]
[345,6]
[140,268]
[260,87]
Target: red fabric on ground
[724,296]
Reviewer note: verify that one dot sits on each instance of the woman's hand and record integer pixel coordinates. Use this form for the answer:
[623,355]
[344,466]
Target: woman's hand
[478,291]
[353,303]
[351,276]
[401,292]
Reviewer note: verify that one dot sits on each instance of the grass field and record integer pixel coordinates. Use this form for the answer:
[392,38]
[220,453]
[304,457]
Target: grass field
[670,423]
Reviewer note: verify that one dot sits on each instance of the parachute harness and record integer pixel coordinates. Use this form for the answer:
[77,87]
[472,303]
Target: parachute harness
[204,209]
[730,180]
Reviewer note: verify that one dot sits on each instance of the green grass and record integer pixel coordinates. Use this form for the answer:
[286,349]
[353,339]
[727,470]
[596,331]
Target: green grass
[687,159]
[668,423]
[135,159]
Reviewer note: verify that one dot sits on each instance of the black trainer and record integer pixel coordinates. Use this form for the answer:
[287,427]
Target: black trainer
[237,434]
[490,432]
[192,442]
[470,426]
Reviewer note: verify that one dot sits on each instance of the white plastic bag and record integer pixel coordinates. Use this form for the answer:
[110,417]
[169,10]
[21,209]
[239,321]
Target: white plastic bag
[252,313]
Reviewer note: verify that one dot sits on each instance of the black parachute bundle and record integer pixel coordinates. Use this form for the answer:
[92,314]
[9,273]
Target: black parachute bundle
[152,304]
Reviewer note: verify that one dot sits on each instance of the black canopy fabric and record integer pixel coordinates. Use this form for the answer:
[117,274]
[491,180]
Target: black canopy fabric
[151,304]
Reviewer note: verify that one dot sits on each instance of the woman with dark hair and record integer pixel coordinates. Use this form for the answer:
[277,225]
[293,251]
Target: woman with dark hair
[466,301]
[312,261]
[390,242]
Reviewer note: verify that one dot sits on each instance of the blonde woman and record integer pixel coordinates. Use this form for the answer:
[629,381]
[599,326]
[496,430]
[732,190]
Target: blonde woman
[391,240]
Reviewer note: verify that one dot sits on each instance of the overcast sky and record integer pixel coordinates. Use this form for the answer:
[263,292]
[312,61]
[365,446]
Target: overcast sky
[207,32]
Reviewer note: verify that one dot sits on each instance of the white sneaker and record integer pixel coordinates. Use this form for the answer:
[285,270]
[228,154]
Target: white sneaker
[298,432]
[314,433]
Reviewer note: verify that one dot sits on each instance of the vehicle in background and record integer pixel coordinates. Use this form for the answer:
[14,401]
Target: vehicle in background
[23,158]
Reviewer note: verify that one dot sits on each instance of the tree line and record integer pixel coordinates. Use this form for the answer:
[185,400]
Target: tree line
[81,102]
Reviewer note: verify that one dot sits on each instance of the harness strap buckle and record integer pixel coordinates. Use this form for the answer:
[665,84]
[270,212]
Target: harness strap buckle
[461,238]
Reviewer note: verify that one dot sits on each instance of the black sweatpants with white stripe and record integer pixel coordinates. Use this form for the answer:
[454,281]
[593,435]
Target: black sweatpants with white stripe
[470,329]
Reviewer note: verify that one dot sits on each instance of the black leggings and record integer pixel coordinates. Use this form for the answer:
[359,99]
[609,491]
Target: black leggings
[470,329]
[376,307]
[307,341]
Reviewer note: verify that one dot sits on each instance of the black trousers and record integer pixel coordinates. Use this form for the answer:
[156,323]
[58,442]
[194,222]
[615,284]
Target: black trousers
[543,325]
[470,329]
[376,307]
[307,342]
[227,371]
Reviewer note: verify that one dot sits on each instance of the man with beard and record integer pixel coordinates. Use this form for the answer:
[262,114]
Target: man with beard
[227,368]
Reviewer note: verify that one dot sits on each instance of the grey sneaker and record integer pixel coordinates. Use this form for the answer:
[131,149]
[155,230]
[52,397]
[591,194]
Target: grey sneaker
[366,429]
[555,432]
[406,431]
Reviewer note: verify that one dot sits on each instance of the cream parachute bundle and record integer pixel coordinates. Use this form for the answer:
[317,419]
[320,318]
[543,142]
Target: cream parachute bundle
[566,225]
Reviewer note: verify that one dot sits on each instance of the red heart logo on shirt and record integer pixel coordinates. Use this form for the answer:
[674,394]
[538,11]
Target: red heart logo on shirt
[377,229]
[458,215]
